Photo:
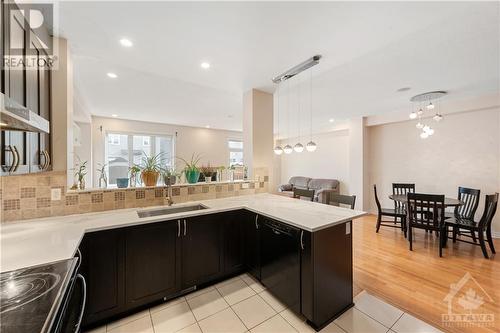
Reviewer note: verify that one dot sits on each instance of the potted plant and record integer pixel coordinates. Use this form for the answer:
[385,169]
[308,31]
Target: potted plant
[207,172]
[134,171]
[151,168]
[170,176]
[191,169]
[80,173]
[103,179]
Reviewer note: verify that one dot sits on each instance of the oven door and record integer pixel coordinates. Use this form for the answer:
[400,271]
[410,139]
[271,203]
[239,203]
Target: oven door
[71,316]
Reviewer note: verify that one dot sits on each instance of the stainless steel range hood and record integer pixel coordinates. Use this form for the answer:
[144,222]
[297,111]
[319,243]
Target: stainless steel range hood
[16,117]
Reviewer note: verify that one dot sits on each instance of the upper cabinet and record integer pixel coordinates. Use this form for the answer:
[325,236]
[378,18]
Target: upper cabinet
[30,87]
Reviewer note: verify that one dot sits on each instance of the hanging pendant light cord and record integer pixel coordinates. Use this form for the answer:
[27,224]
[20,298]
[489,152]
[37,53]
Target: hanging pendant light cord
[310,104]
[278,114]
[298,106]
[288,110]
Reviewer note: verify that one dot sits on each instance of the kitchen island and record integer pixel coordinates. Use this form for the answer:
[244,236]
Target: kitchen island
[301,251]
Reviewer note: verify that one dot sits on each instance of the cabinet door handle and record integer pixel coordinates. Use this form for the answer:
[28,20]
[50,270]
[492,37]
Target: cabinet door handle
[47,159]
[42,166]
[8,148]
[185,228]
[256,223]
[16,154]
[84,300]
[302,239]
[178,228]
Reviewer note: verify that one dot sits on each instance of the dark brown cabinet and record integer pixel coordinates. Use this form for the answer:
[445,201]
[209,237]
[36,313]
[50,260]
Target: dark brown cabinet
[252,243]
[234,247]
[129,268]
[103,266]
[152,262]
[202,248]
[23,152]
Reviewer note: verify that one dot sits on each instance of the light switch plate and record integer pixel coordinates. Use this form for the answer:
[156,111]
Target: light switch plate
[55,194]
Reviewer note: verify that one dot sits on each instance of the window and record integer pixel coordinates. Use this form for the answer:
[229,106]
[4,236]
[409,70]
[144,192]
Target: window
[124,150]
[235,152]
[114,139]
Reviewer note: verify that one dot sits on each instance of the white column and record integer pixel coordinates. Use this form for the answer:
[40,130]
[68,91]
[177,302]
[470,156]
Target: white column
[62,111]
[258,133]
[358,154]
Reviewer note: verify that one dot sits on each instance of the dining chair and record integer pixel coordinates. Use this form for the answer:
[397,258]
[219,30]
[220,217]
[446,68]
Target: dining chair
[470,199]
[481,228]
[335,199]
[402,189]
[426,211]
[389,212]
[299,193]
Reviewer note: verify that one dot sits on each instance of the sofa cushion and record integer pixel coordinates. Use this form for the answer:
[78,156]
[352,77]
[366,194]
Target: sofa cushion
[323,184]
[299,181]
[286,187]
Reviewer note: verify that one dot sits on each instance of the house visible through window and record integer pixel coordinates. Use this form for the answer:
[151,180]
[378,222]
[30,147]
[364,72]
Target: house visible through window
[235,152]
[125,150]
[114,139]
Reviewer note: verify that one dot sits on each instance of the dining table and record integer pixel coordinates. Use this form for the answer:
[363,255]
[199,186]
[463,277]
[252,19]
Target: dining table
[448,202]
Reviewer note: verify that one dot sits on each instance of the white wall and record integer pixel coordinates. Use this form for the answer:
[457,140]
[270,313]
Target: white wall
[211,143]
[330,160]
[464,151]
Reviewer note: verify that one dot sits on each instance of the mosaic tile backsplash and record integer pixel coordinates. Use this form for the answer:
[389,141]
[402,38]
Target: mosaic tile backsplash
[29,196]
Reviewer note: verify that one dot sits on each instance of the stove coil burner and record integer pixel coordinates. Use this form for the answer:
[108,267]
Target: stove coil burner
[18,290]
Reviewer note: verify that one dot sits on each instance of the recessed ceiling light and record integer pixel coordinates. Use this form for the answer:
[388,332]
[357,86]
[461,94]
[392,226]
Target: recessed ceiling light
[331,120]
[126,42]
[205,65]
[114,115]
[403,89]
[112,75]
[207,126]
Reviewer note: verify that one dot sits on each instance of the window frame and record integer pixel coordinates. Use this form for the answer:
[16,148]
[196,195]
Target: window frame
[130,145]
[235,150]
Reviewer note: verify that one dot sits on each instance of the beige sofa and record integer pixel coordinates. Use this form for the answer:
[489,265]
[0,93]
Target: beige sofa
[320,186]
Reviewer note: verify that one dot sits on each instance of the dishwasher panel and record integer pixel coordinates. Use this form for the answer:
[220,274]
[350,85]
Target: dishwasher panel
[280,262]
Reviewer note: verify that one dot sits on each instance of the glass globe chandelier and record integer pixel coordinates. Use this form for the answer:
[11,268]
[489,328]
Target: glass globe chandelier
[426,99]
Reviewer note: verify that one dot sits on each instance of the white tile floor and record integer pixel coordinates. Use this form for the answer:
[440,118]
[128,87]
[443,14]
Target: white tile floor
[242,304]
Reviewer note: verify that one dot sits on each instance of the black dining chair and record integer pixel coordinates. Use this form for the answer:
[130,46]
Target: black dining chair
[401,189]
[335,199]
[481,228]
[390,212]
[300,193]
[470,199]
[426,211]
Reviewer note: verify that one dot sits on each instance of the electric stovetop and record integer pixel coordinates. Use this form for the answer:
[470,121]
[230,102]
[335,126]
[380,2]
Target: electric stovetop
[30,297]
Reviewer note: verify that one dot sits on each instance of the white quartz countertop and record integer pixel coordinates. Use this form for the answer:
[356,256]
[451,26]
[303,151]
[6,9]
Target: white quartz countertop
[33,242]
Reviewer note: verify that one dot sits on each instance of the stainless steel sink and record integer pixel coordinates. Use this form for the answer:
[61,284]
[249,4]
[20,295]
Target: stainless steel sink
[169,210]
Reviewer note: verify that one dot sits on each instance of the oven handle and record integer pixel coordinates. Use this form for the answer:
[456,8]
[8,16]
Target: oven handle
[84,287]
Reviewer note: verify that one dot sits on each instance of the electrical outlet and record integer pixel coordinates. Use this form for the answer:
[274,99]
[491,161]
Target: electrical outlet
[55,194]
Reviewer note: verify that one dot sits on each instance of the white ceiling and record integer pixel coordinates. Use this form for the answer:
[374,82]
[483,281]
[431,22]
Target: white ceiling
[370,49]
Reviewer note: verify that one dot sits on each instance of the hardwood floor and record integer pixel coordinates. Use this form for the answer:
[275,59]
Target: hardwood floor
[418,281]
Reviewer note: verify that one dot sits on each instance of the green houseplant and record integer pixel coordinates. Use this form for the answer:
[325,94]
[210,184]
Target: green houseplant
[151,168]
[207,172]
[134,171]
[170,176]
[191,169]
[81,168]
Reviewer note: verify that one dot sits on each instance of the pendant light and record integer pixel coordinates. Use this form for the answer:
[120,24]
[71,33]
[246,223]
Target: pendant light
[299,148]
[426,98]
[278,150]
[311,146]
[288,149]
